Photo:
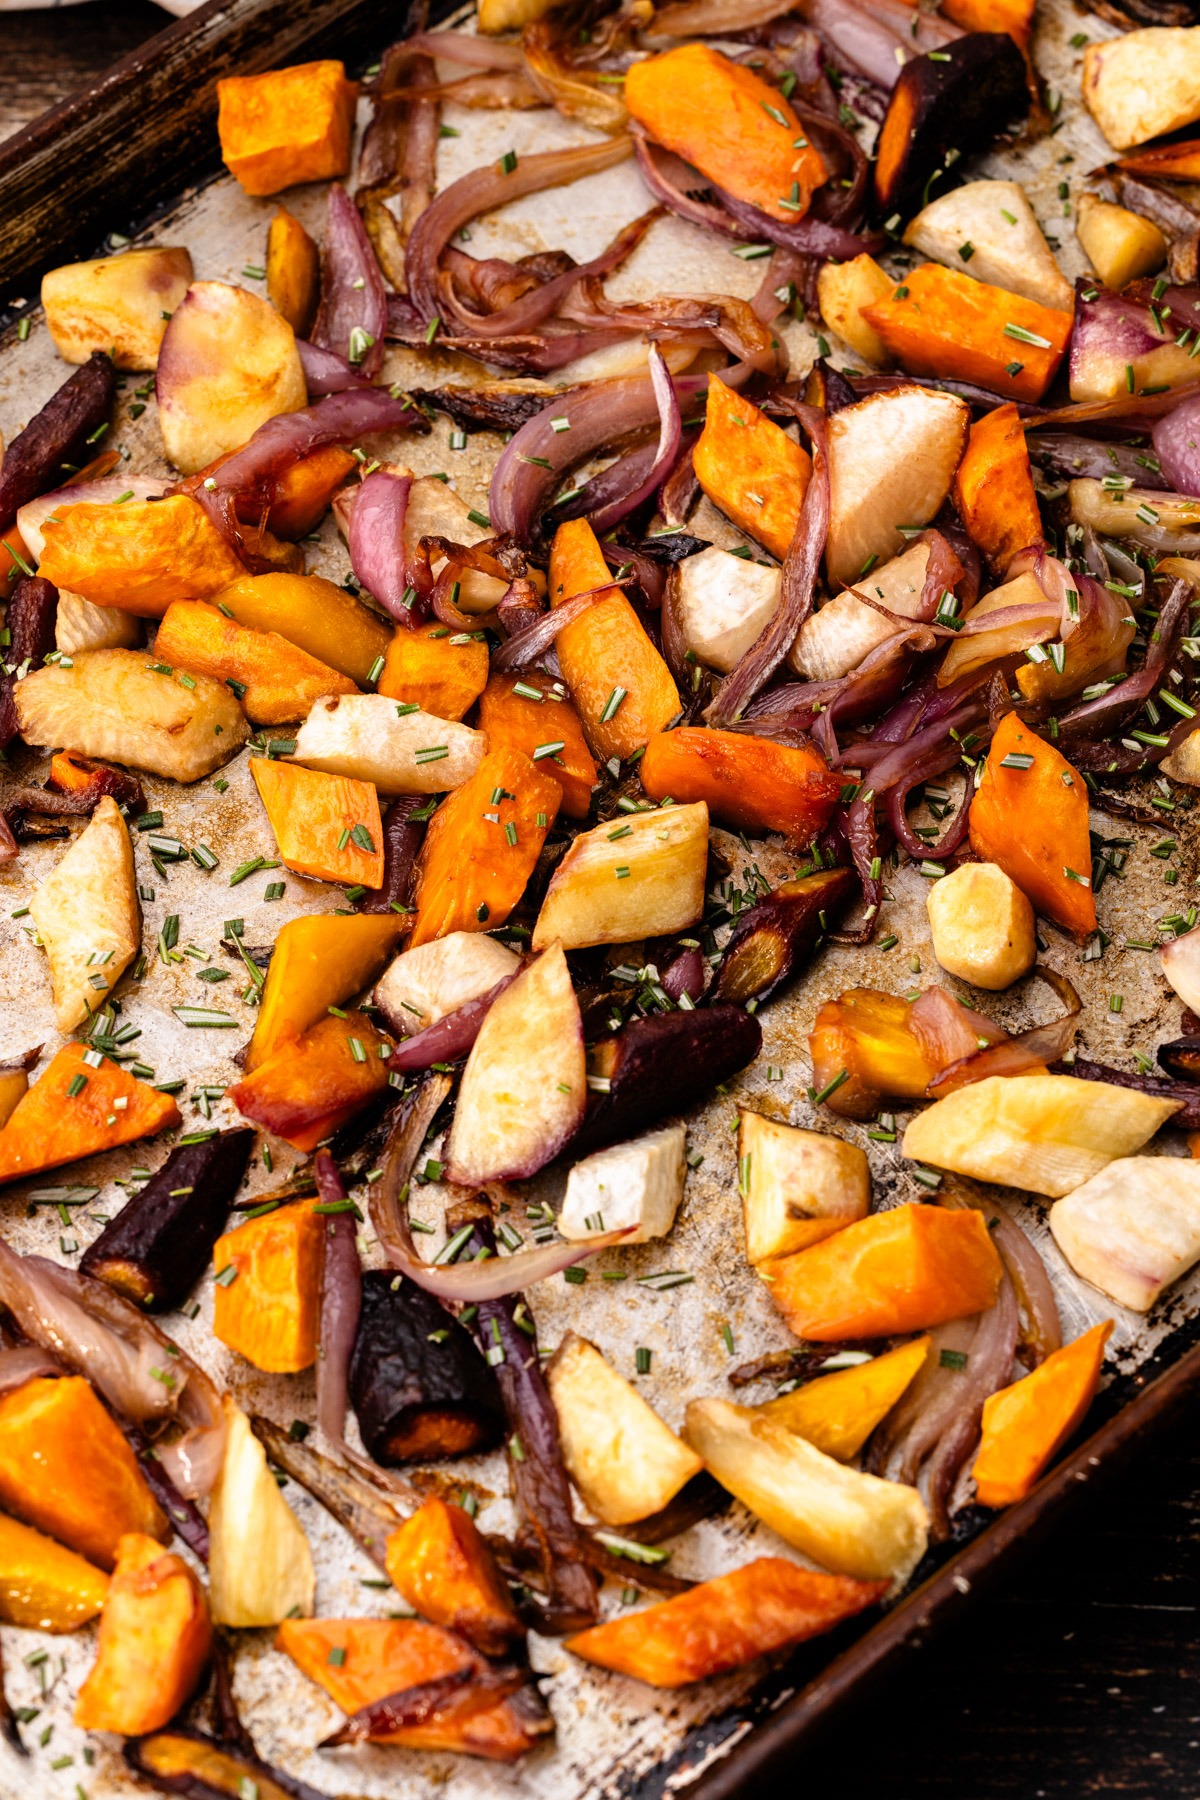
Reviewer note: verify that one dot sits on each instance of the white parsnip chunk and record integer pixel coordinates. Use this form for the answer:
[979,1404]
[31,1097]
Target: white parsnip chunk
[724,603]
[424,984]
[892,458]
[797,1186]
[117,304]
[982,925]
[1144,83]
[368,738]
[635,877]
[989,229]
[639,1183]
[260,1568]
[1134,1228]
[835,640]
[88,917]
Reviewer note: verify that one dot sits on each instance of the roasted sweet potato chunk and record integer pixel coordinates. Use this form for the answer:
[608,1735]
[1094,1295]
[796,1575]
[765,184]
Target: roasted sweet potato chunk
[440,1562]
[140,556]
[941,322]
[312,613]
[267,1295]
[432,668]
[749,783]
[43,1585]
[154,1640]
[312,1086]
[867,1046]
[287,125]
[993,489]
[75,1110]
[751,469]
[1024,1424]
[275,681]
[319,961]
[1033,821]
[514,720]
[293,274]
[325,825]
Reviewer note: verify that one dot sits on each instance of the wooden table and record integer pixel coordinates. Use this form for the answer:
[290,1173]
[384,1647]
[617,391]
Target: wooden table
[1083,1676]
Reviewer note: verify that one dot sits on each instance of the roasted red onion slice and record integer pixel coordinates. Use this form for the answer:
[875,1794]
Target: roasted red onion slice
[448,1700]
[325,372]
[470,52]
[670,433]
[451,1037]
[23,1363]
[529,645]
[1074,456]
[947,1030]
[341,1302]
[530,310]
[1175,438]
[352,318]
[1104,716]
[1029,1049]
[399,154]
[377,550]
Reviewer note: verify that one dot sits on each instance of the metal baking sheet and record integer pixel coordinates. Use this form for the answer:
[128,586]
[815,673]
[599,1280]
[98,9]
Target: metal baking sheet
[614,1737]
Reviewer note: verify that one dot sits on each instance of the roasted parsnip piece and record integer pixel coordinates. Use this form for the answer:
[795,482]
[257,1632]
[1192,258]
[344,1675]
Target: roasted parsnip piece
[797,1186]
[835,640]
[641,876]
[260,1568]
[724,603]
[44,1586]
[88,917]
[370,738]
[421,986]
[990,227]
[892,459]
[1181,965]
[1143,84]
[117,304]
[227,364]
[982,925]
[843,289]
[1133,1228]
[638,1183]
[1119,244]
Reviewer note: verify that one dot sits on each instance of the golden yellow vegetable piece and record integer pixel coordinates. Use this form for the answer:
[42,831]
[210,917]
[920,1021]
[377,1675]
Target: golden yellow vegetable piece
[293,271]
[314,614]
[228,363]
[838,1412]
[44,1586]
[118,304]
[319,962]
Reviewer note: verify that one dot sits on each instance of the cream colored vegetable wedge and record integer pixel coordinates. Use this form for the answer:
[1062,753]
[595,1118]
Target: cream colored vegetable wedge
[637,1184]
[118,304]
[724,603]
[1119,244]
[630,878]
[78,625]
[624,1460]
[994,224]
[843,289]
[892,458]
[88,918]
[851,1523]
[797,1186]
[1134,1228]
[227,364]
[260,1568]
[837,638]
[982,925]
[1048,1133]
[368,738]
[1142,84]
[421,986]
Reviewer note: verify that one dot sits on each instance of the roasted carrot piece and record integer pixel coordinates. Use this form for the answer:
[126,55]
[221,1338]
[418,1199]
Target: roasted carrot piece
[1166,162]
[902,1270]
[516,721]
[941,322]
[440,1561]
[67,1470]
[750,468]
[276,682]
[481,847]
[287,125]
[749,783]
[1013,16]
[76,1110]
[429,669]
[731,124]
[359,1661]
[1033,822]
[154,1640]
[837,1413]
[1025,1424]
[140,556]
[993,489]
[43,1585]
[319,961]
[767,1605]
[621,687]
[293,288]
[314,1084]
[267,1308]
[327,826]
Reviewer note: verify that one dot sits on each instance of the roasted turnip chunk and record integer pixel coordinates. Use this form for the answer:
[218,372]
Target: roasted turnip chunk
[797,1186]
[989,228]
[1119,244]
[1048,1133]
[724,602]
[370,738]
[1181,965]
[892,458]
[836,639]
[525,1084]
[843,289]
[260,1568]
[851,1523]
[641,876]
[228,363]
[1143,84]
[1134,1228]
[118,304]
[79,625]
[982,925]
[88,918]
[425,984]
[625,1462]
[639,1183]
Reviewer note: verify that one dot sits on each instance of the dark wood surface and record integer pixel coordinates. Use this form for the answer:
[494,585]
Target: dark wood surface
[1081,1675]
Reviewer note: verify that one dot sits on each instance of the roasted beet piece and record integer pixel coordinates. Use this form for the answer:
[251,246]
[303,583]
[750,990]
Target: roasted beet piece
[660,1065]
[418,1386]
[773,941]
[159,1244]
[32,616]
[951,102]
[33,462]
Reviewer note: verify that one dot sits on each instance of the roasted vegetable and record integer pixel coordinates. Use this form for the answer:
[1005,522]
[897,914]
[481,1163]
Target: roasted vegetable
[66,1468]
[623,1459]
[835,640]
[892,459]
[1031,818]
[514,720]
[797,1186]
[941,322]
[843,289]
[751,469]
[430,668]
[993,489]
[767,1605]
[276,682]
[14,1082]
[43,1586]
[118,305]
[867,1046]
[1120,245]
[837,1413]
[139,557]
[33,460]
[901,1270]
[228,362]
[81,626]
[314,614]
[153,1643]
[318,962]
[1133,1227]
[1178,161]
[641,877]
[747,783]
[441,1564]
[159,1244]
[368,738]
[260,1569]
[326,826]
[852,1523]
[421,986]
[313,1086]
[88,782]
[991,226]
[946,101]
[1143,84]
[88,917]
[524,1089]
[982,926]
[267,1292]
[1049,1133]
[1013,16]
[723,603]
[662,1064]
[76,1110]
[184,1761]
[418,1395]
[30,623]
[773,941]
[635,1187]
[286,125]
[293,271]
[1026,1423]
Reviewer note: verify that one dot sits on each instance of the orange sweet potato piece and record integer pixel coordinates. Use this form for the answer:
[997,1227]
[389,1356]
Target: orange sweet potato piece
[66,1469]
[140,556]
[1033,822]
[1165,162]
[993,489]
[1013,16]
[294,279]
[319,961]
[311,1087]
[315,818]
[287,125]
[730,124]
[440,1561]
[749,783]
[276,682]
[751,469]
[607,660]
[154,1641]
[74,1110]
[515,721]
[268,1309]
[431,668]
[480,851]
[43,1585]
[314,614]
[902,1270]
[377,1657]
[867,1034]
[941,322]
[767,1605]
[1023,1425]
